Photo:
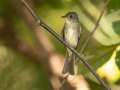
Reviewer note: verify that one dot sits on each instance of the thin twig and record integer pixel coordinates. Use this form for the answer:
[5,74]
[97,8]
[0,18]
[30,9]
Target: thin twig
[58,37]
[94,29]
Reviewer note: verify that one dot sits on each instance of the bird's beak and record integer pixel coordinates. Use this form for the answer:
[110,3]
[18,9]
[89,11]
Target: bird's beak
[63,16]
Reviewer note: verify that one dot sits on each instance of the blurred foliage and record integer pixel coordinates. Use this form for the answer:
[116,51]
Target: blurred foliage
[113,5]
[23,32]
[19,73]
[117,58]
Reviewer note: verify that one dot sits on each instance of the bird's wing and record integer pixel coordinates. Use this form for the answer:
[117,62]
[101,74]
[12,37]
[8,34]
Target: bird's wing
[79,32]
[63,33]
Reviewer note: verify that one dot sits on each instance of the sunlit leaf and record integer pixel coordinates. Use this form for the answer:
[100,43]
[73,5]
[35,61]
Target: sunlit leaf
[110,69]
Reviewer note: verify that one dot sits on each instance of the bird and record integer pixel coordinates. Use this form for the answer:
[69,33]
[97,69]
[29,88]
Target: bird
[71,34]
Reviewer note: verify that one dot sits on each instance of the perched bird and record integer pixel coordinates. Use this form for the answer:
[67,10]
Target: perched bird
[71,34]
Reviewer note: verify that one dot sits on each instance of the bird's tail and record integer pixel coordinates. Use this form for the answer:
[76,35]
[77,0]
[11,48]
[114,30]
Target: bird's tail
[68,64]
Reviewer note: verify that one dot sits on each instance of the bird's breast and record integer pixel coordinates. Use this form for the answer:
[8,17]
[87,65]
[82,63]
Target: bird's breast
[71,36]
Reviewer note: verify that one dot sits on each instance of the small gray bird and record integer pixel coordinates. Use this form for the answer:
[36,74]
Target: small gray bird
[71,34]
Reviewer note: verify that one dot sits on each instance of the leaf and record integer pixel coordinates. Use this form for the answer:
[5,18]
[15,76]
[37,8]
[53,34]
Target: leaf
[110,70]
[105,33]
[113,5]
[96,54]
[113,16]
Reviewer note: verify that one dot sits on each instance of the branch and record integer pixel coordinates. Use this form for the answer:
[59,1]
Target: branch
[57,36]
[94,29]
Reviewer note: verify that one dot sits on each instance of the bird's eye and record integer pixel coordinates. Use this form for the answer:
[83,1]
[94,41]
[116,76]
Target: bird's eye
[71,16]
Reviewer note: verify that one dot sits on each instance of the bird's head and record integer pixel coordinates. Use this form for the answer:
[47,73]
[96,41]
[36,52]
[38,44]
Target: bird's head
[71,17]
